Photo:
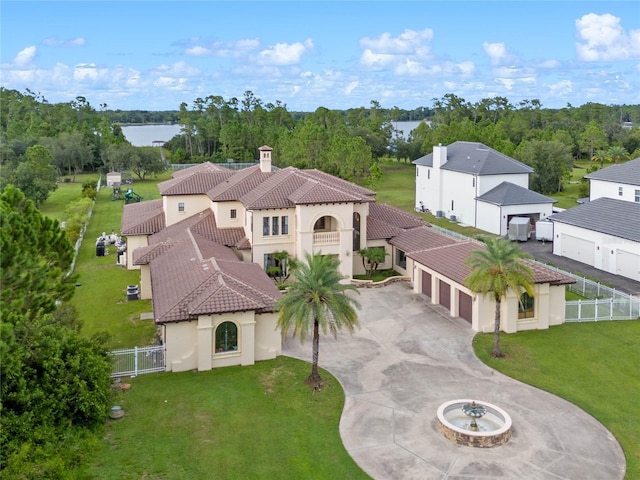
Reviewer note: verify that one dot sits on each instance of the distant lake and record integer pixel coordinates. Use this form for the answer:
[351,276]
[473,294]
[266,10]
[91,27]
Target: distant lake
[403,129]
[145,135]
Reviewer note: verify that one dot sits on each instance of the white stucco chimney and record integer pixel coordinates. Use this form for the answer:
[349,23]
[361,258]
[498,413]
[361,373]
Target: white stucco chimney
[265,158]
[439,156]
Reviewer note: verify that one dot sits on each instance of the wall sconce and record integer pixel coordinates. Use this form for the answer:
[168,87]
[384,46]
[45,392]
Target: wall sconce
[347,253]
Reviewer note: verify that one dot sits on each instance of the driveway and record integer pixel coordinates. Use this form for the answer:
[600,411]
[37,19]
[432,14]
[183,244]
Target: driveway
[408,358]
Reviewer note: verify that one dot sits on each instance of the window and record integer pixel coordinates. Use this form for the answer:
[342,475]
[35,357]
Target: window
[637,196]
[265,226]
[619,191]
[525,307]
[226,337]
[275,267]
[181,207]
[234,213]
[285,225]
[401,259]
[320,224]
[356,231]
[275,226]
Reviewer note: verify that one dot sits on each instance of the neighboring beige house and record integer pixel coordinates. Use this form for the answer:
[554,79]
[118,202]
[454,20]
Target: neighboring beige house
[204,248]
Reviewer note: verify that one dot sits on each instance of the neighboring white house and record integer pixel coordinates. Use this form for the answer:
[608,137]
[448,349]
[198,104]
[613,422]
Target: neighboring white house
[605,231]
[475,185]
[204,250]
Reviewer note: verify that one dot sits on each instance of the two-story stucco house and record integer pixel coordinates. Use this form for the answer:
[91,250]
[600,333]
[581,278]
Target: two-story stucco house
[478,186]
[605,231]
[205,248]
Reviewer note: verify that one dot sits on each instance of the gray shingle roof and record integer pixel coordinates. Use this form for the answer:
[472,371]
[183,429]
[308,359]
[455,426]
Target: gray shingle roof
[614,217]
[628,173]
[508,193]
[476,159]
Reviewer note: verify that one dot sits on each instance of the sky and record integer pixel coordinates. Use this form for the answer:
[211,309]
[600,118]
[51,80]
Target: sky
[155,55]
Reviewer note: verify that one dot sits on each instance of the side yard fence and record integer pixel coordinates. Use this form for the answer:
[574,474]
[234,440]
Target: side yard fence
[137,360]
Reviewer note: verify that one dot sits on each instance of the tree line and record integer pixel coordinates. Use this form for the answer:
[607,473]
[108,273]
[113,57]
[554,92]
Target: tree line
[76,137]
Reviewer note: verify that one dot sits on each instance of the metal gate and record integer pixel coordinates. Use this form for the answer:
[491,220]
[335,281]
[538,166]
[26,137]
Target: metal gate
[137,360]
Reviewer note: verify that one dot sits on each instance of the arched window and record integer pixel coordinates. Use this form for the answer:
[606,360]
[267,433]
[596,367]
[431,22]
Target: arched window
[356,231]
[226,337]
[526,306]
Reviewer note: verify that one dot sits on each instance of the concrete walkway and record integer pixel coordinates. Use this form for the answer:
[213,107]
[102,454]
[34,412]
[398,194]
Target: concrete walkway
[410,357]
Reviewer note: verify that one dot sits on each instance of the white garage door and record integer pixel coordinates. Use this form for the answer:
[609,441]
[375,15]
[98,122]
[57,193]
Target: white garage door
[578,249]
[628,265]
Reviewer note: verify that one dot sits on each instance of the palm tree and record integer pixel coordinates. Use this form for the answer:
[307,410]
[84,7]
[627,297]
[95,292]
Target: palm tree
[494,271]
[316,300]
[600,156]
[617,153]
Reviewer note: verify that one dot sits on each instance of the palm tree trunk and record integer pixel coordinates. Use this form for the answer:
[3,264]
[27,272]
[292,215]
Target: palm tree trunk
[315,380]
[496,332]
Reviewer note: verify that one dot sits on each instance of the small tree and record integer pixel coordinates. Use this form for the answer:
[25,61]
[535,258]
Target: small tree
[315,301]
[496,270]
[280,271]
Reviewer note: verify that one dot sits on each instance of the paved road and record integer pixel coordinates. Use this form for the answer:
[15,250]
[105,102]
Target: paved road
[543,253]
[410,357]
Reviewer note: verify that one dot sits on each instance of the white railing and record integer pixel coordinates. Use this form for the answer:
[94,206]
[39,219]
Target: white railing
[600,309]
[137,360]
[326,238]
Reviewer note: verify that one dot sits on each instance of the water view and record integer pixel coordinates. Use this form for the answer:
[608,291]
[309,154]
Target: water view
[146,135]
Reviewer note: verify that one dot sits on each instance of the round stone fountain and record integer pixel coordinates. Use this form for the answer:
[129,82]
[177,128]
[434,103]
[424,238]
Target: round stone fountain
[473,423]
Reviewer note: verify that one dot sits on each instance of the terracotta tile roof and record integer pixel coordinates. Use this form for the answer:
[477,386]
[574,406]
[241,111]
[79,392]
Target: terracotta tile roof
[449,260]
[339,183]
[380,230]
[239,184]
[201,168]
[290,186]
[143,218]
[385,221]
[202,223]
[186,284]
[198,183]
[421,238]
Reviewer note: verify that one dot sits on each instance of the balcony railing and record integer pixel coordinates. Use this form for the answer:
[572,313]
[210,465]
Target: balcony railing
[326,238]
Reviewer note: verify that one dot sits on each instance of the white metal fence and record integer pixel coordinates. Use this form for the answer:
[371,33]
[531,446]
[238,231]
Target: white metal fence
[600,309]
[137,360]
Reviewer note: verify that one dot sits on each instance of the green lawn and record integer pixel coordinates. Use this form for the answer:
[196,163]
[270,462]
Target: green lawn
[258,422]
[593,365]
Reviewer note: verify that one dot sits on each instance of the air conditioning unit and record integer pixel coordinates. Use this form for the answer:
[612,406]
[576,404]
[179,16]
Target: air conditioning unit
[453,218]
[439,214]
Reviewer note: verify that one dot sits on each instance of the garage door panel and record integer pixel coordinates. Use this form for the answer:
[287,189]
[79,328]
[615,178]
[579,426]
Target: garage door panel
[445,294]
[628,265]
[465,306]
[426,283]
[578,249]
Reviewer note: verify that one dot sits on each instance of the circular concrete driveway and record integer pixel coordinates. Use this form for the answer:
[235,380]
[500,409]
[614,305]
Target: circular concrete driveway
[407,359]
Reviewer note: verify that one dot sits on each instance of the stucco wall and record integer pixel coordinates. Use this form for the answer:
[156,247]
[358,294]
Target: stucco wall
[599,188]
[222,213]
[133,242]
[190,345]
[192,204]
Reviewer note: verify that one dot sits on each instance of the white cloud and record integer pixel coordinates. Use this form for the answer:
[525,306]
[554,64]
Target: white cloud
[58,42]
[284,54]
[351,87]
[85,71]
[178,69]
[25,56]
[408,42]
[498,53]
[563,87]
[198,51]
[603,38]
[411,68]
